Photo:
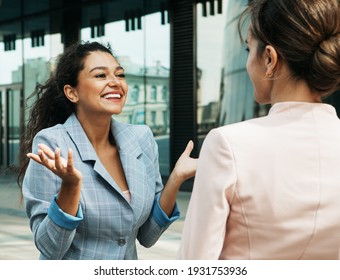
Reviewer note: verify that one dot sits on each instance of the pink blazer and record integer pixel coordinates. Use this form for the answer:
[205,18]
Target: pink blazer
[268,188]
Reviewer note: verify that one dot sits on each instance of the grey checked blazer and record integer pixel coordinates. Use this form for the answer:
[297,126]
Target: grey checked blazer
[110,225]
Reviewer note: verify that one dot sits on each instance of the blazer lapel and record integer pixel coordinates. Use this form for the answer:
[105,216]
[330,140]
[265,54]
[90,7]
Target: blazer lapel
[86,150]
[134,169]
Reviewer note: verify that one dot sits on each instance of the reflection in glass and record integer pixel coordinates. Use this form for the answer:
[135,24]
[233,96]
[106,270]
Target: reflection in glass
[11,55]
[157,60]
[153,94]
[210,31]
[225,93]
[40,52]
[237,100]
[9,9]
[134,95]
[10,93]
[28,62]
[11,122]
[13,126]
[39,6]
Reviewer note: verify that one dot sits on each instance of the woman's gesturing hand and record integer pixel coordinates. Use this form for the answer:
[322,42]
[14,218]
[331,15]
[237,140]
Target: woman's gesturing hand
[185,167]
[58,165]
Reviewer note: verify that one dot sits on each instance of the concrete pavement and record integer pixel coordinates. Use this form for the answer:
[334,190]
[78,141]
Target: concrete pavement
[16,240]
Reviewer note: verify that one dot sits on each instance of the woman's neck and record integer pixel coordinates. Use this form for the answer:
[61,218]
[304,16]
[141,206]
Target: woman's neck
[97,130]
[287,89]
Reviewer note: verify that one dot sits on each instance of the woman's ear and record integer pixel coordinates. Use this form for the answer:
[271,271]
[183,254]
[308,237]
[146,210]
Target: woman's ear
[70,93]
[271,60]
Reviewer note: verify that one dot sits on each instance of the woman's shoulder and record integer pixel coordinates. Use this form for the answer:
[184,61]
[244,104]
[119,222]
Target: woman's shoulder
[51,136]
[246,125]
[53,130]
[139,130]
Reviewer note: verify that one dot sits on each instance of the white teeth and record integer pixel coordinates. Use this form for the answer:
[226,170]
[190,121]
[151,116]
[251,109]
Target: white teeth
[112,95]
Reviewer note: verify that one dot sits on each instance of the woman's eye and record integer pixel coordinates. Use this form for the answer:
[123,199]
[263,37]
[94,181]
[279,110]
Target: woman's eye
[100,75]
[120,75]
[247,49]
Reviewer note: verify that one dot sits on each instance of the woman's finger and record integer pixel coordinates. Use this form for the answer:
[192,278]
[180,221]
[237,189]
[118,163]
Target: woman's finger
[58,164]
[34,157]
[188,148]
[47,150]
[44,160]
[69,161]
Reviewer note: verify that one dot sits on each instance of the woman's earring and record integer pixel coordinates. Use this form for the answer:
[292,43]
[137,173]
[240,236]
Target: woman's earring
[269,75]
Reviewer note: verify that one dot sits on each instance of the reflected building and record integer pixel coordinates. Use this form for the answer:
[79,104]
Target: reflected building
[237,100]
[147,102]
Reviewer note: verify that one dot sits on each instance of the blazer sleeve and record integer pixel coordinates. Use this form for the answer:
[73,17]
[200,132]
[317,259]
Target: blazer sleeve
[40,186]
[209,206]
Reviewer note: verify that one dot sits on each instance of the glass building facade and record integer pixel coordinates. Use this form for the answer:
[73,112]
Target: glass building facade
[184,61]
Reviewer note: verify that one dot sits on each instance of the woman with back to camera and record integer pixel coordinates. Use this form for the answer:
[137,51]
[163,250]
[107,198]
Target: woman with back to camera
[93,185]
[269,188]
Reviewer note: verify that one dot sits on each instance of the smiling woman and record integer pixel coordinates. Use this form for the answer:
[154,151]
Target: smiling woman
[101,80]
[91,185]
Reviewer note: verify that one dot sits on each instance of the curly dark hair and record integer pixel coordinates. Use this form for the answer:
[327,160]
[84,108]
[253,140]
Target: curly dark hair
[50,105]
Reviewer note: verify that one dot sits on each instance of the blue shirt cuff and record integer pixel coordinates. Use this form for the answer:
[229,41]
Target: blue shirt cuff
[63,219]
[160,217]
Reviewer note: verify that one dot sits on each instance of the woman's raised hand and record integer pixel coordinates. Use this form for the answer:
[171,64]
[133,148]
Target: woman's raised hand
[58,165]
[185,166]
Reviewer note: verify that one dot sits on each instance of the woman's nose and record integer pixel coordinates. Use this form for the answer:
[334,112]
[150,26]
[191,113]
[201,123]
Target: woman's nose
[113,81]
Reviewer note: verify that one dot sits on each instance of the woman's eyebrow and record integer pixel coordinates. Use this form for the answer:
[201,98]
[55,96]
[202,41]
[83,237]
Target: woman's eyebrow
[105,68]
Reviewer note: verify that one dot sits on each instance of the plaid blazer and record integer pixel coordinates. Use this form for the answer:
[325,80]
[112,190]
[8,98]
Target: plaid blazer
[108,225]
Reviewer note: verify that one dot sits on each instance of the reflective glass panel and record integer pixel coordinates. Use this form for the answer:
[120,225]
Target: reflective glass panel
[225,93]
[10,54]
[157,73]
[9,9]
[41,49]
[210,53]
[10,92]
[14,122]
[36,6]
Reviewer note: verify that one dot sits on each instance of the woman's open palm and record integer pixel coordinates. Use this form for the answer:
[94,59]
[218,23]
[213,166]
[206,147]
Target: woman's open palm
[58,165]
